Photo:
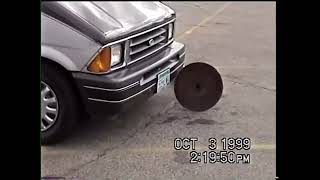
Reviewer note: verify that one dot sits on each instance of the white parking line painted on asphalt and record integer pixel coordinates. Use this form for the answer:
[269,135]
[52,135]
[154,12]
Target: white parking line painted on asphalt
[205,20]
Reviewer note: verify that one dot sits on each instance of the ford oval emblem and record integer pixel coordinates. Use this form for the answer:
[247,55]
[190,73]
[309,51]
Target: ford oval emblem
[151,42]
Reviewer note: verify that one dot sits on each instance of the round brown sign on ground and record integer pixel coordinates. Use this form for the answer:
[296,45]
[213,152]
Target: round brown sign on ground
[198,86]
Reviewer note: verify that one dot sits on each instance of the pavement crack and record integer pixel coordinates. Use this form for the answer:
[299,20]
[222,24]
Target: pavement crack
[164,111]
[198,6]
[103,153]
[99,156]
[249,84]
[73,170]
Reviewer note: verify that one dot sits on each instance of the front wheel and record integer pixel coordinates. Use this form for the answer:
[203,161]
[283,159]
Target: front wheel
[59,105]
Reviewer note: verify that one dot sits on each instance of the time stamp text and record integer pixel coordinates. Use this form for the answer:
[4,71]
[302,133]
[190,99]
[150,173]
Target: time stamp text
[227,154]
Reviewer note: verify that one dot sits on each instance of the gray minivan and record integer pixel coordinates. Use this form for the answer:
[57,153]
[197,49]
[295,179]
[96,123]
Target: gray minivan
[98,57]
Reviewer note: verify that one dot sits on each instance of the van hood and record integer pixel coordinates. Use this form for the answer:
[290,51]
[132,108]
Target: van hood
[108,21]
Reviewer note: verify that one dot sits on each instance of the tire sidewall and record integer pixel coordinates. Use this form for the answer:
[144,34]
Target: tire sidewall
[67,105]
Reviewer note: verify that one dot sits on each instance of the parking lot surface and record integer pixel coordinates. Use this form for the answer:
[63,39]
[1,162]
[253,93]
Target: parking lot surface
[238,39]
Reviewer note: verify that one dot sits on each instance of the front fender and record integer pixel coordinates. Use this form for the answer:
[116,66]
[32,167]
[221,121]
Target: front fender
[58,57]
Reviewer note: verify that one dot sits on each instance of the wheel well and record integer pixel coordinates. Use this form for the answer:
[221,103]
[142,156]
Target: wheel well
[66,74]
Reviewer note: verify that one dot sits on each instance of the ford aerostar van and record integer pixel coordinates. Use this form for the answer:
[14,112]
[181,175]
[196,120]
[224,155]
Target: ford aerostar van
[98,57]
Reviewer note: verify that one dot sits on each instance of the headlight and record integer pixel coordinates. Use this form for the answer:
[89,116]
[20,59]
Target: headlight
[115,55]
[170,31]
[106,58]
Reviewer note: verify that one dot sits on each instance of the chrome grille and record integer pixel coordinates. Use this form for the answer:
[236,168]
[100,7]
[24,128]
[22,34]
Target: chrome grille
[147,43]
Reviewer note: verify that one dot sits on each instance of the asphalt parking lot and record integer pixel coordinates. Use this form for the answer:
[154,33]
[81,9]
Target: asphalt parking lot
[239,40]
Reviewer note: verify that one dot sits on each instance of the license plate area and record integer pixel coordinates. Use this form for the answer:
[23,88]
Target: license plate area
[163,79]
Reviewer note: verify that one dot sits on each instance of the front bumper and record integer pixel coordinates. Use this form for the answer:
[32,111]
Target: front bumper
[112,92]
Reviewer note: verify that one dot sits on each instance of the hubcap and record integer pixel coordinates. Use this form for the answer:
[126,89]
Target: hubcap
[49,107]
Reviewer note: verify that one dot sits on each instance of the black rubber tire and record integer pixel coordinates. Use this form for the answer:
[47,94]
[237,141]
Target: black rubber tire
[56,78]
